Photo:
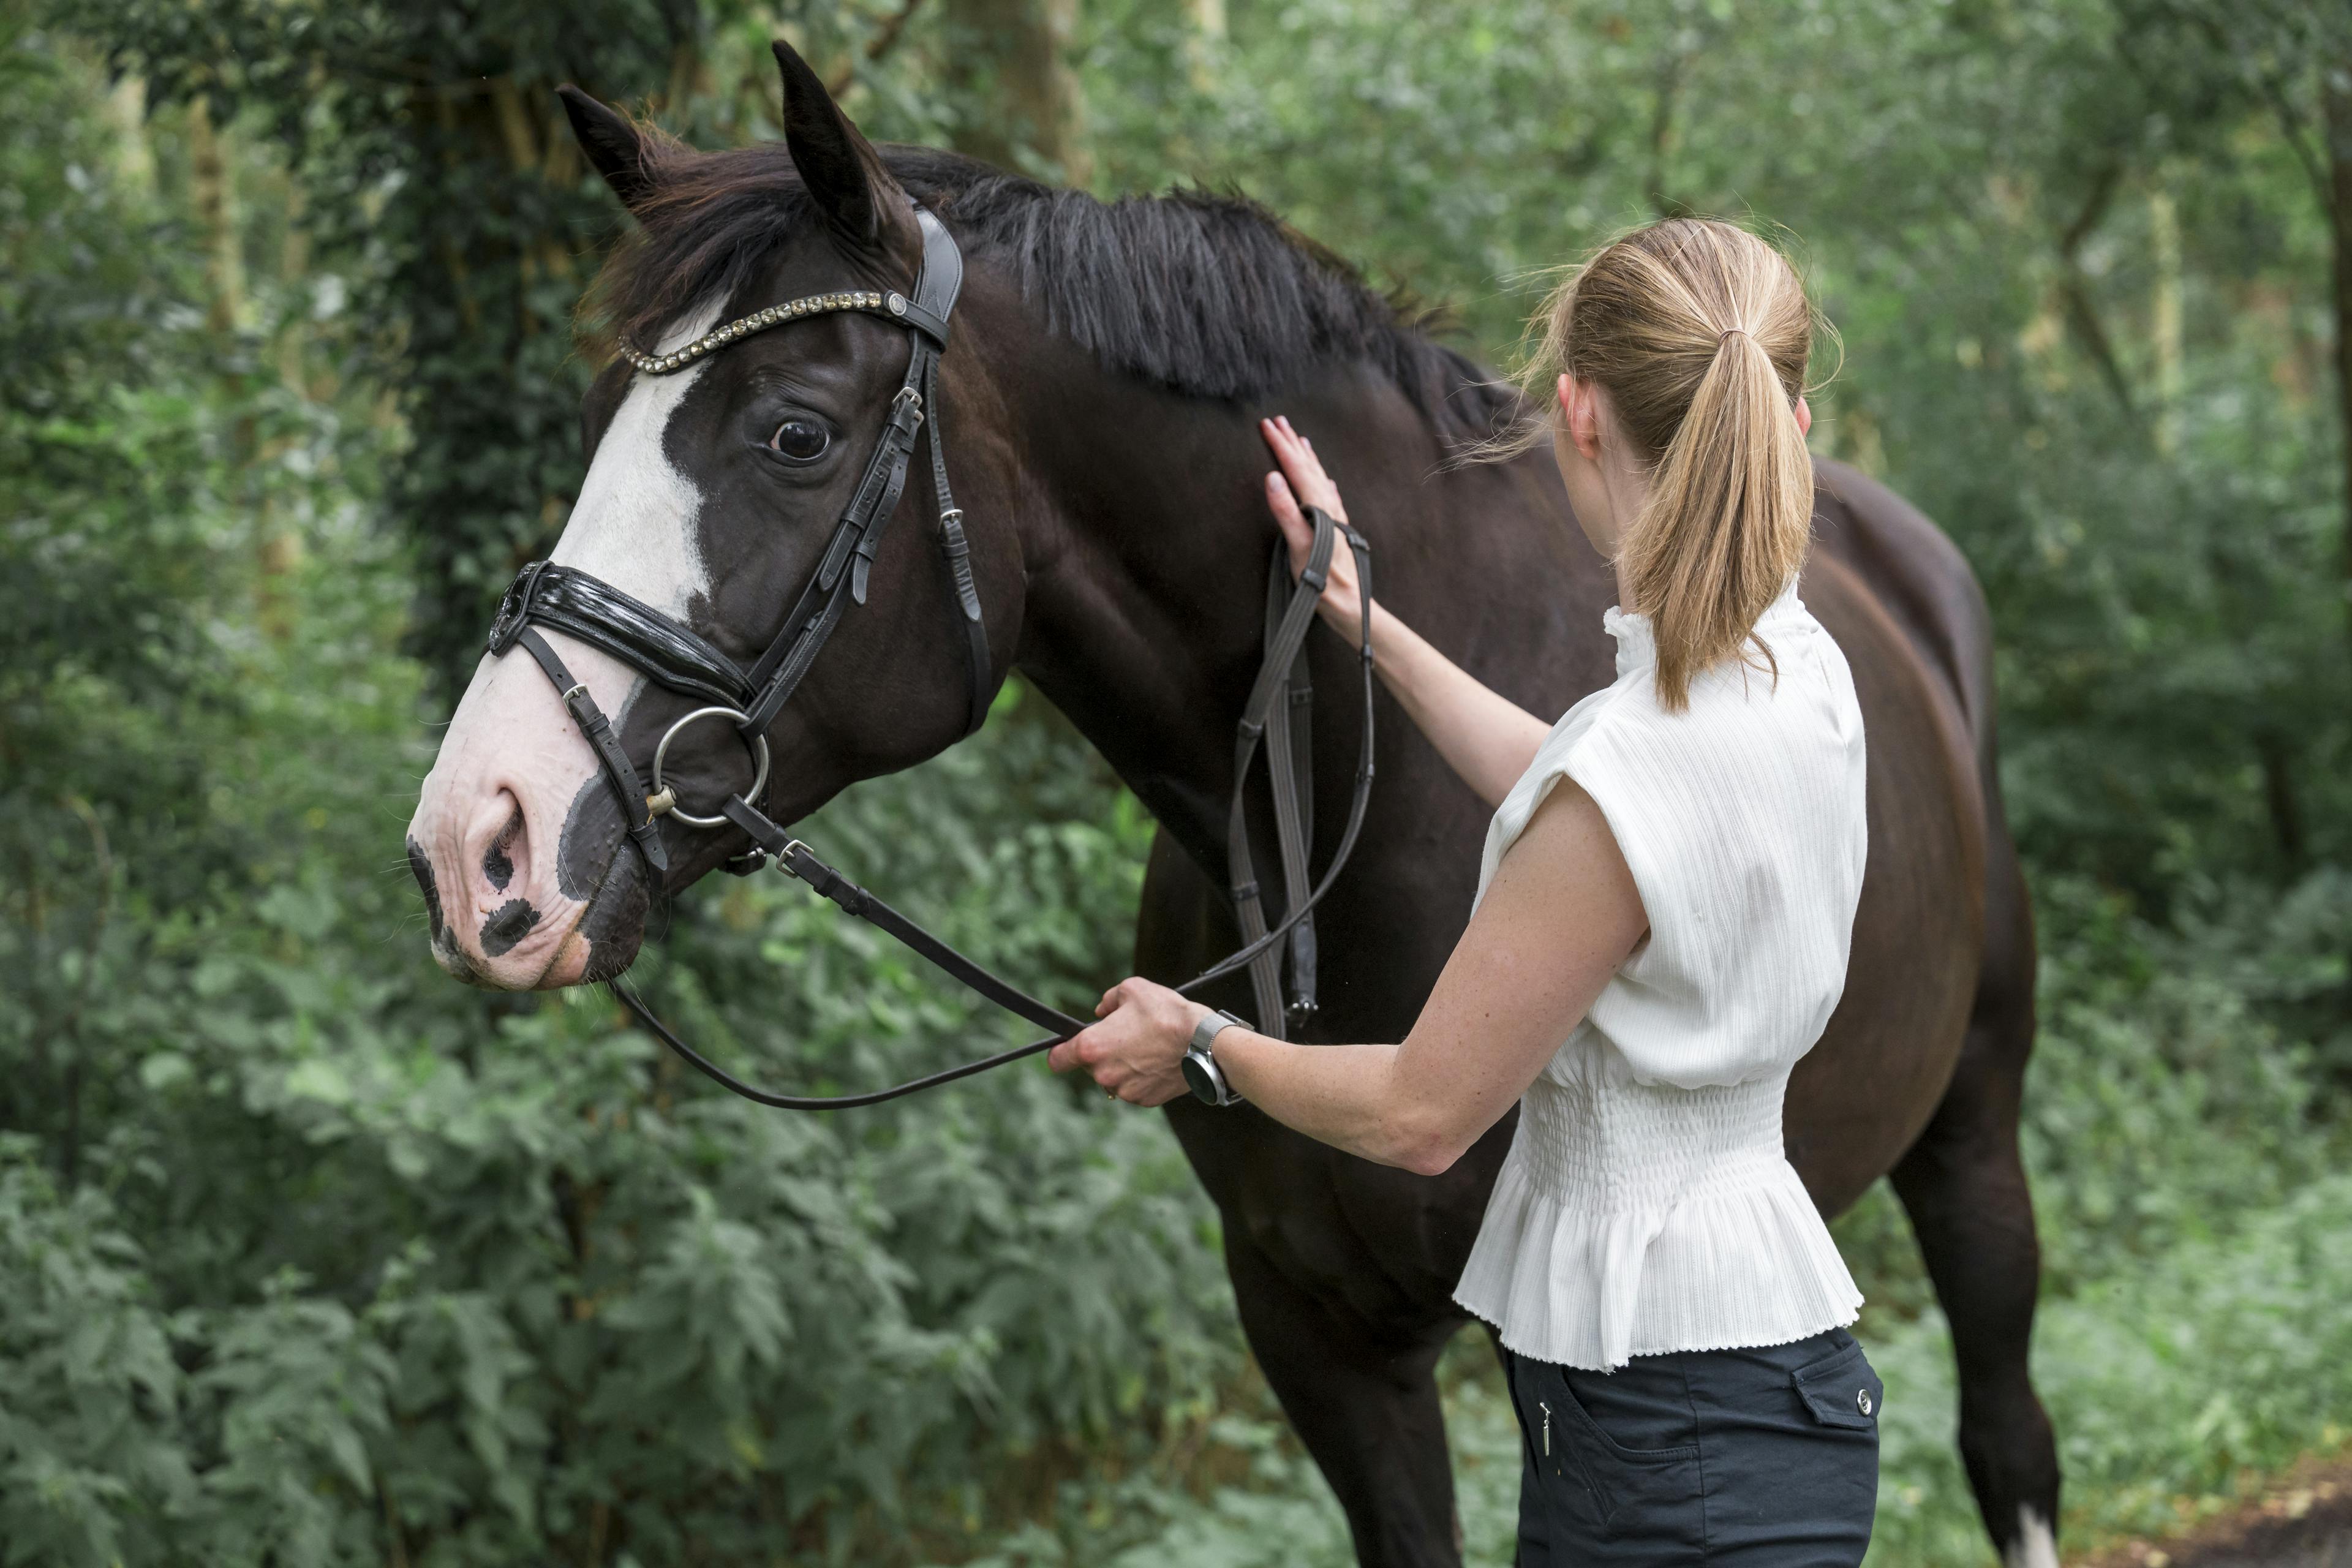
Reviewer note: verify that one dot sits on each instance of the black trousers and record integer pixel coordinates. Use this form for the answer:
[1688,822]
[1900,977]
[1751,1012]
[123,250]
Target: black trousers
[1739,1458]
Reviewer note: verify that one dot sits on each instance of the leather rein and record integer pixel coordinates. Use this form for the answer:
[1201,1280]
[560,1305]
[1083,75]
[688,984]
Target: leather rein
[671,655]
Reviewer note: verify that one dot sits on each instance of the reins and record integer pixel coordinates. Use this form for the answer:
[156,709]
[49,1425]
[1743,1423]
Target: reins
[676,657]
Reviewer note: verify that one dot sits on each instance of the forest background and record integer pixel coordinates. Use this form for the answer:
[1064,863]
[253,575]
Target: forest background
[310,1256]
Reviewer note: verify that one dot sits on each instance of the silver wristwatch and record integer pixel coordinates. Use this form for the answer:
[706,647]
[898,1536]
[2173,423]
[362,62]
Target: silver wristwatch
[1200,1070]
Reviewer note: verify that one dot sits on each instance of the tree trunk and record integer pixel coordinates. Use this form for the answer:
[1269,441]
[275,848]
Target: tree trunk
[208,180]
[1202,40]
[1662,135]
[2165,316]
[134,154]
[2335,119]
[1024,107]
[2336,124]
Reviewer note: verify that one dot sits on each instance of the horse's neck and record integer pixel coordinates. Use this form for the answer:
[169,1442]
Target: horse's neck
[1147,539]
[1147,555]
[1144,539]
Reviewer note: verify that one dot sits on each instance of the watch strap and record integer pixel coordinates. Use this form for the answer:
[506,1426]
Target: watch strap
[1208,1080]
[1210,1025]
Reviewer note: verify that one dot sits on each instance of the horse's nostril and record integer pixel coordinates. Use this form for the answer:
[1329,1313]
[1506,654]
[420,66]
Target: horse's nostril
[496,863]
[423,871]
[493,856]
[508,925]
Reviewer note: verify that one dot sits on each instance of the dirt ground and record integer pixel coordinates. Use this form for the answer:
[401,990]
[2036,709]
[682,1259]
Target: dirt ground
[2304,1521]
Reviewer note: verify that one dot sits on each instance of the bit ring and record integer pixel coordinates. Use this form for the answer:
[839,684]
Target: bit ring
[757,745]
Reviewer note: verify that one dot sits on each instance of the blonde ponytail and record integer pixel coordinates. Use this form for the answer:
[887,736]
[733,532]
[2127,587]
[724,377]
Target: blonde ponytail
[1701,333]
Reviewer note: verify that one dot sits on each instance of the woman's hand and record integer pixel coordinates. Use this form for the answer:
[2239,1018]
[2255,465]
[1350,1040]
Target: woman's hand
[1301,483]
[1483,736]
[1137,1052]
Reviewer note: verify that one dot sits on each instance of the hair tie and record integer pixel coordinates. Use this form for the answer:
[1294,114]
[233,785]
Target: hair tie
[1727,334]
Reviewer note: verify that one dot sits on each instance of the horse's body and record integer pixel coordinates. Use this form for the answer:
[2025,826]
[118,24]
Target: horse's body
[1120,537]
[1344,1269]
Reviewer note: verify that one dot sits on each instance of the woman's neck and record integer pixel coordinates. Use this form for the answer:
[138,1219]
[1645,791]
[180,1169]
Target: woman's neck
[1627,485]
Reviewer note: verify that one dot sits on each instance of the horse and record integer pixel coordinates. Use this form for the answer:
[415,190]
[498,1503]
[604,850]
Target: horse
[1108,365]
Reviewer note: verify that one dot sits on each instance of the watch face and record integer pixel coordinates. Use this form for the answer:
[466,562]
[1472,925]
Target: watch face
[1196,1076]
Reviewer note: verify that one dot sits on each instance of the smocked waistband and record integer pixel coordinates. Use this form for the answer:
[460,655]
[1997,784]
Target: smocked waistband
[1623,1146]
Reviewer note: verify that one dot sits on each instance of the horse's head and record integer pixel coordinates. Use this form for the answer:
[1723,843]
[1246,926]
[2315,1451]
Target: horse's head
[711,494]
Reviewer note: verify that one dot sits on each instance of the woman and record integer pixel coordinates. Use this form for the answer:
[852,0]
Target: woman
[1668,887]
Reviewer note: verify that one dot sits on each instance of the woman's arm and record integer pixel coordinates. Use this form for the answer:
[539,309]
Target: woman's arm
[1483,736]
[1562,915]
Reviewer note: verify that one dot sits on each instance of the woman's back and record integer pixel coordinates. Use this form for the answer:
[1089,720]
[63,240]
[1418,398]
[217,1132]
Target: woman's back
[1646,1204]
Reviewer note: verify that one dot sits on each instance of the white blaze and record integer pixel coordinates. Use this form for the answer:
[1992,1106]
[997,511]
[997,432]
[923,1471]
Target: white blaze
[633,523]
[510,747]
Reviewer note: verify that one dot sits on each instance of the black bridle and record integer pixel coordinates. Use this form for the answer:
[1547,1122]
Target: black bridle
[674,656]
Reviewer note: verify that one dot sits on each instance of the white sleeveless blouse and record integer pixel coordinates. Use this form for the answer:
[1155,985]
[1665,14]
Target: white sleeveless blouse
[1646,1204]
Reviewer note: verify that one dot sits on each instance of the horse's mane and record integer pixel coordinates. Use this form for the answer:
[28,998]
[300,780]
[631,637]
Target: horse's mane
[1209,295]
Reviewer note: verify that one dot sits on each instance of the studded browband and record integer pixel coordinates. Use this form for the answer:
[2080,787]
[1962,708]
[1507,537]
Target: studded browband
[891,304]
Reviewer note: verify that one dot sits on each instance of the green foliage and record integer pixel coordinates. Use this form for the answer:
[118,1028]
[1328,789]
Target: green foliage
[2077,268]
[2169,1380]
[307,1255]
[438,161]
[310,1253]
[498,1287]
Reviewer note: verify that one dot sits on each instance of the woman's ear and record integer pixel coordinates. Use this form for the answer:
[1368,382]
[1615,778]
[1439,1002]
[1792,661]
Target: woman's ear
[1579,415]
[1804,418]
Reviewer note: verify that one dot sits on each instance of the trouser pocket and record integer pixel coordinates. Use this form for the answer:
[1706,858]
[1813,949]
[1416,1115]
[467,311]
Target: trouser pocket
[1616,1459]
[1792,1453]
[1841,1388]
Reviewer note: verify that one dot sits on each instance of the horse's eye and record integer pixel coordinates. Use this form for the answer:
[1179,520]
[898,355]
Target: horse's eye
[800,440]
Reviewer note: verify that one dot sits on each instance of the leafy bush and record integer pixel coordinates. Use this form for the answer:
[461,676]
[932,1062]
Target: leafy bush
[314,1255]
[2170,1380]
[307,1255]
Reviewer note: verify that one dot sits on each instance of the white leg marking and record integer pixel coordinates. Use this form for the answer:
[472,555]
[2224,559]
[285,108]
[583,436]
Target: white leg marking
[2036,1545]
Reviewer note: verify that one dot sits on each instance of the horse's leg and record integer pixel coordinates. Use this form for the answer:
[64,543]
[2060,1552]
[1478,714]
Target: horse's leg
[1363,1401]
[1963,1184]
[1365,1406]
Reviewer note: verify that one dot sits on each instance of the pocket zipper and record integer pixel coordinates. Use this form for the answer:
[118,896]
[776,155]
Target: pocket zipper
[1547,1426]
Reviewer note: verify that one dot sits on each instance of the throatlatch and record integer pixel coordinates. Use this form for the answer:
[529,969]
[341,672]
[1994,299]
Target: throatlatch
[675,656]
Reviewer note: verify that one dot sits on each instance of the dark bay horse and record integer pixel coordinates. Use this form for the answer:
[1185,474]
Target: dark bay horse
[1107,367]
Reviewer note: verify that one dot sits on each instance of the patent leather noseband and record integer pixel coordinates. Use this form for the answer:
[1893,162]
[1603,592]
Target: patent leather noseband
[572,602]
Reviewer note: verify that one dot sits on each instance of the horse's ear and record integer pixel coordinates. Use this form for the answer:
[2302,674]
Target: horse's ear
[862,202]
[613,145]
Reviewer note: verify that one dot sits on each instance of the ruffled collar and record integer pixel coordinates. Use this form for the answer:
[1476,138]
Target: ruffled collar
[1637,646]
